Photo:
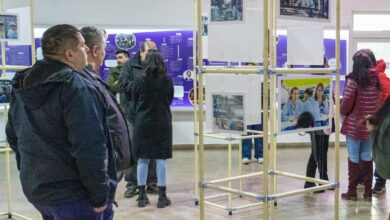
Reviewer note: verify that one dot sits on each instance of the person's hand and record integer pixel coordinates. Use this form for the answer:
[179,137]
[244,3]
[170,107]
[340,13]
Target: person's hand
[369,126]
[100,209]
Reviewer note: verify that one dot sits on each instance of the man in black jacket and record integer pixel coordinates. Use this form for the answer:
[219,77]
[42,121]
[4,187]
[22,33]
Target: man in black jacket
[130,70]
[119,133]
[57,127]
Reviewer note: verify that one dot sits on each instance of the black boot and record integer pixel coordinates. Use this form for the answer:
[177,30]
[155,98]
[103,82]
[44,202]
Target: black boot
[163,200]
[142,197]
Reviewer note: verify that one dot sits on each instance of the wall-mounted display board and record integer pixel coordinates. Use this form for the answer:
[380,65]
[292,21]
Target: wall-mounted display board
[176,47]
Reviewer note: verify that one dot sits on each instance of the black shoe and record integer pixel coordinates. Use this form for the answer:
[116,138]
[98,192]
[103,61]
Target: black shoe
[142,199]
[130,192]
[152,189]
[379,189]
[309,185]
[163,199]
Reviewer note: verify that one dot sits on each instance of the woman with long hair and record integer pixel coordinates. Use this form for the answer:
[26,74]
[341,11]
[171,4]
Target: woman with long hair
[153,95]
[361,98]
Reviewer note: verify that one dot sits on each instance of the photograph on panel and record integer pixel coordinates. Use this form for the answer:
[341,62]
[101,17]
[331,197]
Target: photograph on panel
[305,103]
[125,41]
[226,10]
[228,112]
[9,24]
[310,9]
[5,90]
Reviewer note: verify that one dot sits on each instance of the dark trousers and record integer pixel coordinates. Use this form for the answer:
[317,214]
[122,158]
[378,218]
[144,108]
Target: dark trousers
[318,157]
[80,210]
[131,173]
[378,179]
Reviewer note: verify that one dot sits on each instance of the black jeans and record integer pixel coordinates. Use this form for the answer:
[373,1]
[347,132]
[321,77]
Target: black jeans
[318,156]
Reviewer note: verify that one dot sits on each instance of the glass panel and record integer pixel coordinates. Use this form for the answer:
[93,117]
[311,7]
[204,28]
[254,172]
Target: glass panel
[371,22]
[381,51]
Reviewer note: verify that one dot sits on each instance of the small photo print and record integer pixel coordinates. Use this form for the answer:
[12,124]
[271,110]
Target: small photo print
[305,103]
[9,26]
[226,10]
[310,9]
[228,112]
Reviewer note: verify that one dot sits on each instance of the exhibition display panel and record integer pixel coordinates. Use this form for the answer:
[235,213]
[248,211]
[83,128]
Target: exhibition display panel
[218,113]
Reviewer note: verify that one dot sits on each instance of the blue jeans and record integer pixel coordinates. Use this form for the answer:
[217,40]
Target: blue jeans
[358,150]
[161,170]
[80,210]
[247,144]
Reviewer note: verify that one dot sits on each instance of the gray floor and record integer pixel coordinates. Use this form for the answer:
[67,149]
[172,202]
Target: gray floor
[181,191]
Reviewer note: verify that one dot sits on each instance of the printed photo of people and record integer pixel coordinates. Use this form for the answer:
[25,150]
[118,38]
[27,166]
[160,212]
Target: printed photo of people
[305,8]
[226,10]
[8,26]
[187,75]
[5,90]
[191,96]
[228,112]
[305,103]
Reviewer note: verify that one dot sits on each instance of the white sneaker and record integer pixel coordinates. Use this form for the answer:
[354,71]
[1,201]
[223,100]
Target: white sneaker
[260,160]
[245,160]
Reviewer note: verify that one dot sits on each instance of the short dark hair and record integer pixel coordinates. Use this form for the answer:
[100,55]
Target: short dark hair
[305,120]
[309,91]
[59,38]
[92,36]
[154,63]
[125,52]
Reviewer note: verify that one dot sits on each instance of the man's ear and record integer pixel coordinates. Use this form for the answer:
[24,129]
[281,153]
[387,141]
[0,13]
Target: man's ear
[69,55]
[94,51]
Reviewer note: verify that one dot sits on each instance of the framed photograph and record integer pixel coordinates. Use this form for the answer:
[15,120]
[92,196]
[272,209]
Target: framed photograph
[305,9]
[228,112]
[226,10]
[305,103]
[9,26]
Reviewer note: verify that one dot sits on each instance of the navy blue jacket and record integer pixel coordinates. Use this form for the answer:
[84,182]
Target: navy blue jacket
[58,129]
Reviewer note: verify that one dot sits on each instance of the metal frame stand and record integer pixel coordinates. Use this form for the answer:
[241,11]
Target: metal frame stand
[269,71]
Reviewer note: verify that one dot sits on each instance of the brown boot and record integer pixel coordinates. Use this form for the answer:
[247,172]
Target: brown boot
[353,173]
[366,166]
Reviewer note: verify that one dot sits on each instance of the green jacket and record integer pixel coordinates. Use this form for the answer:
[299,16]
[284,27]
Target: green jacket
[381,149]
[112,80]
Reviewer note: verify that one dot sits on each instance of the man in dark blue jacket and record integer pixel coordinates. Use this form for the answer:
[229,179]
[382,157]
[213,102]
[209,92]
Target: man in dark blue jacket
[130,70]
[119,133]
[57,127]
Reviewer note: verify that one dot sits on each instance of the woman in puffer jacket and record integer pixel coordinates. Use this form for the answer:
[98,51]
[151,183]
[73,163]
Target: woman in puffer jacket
[361,98]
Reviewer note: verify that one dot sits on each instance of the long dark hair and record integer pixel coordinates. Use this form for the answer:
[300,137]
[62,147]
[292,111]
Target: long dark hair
[361,68]
[154,64]
[378,118]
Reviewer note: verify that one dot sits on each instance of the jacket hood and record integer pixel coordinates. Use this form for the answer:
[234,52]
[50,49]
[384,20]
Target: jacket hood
[380,66]
[34,85]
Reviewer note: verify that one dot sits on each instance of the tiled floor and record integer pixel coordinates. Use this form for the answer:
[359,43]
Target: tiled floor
[181,191]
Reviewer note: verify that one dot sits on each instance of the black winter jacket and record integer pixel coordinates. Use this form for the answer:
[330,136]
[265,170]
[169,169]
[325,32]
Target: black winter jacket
[119,133]
[57,128]
[130,70]
[153,96]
